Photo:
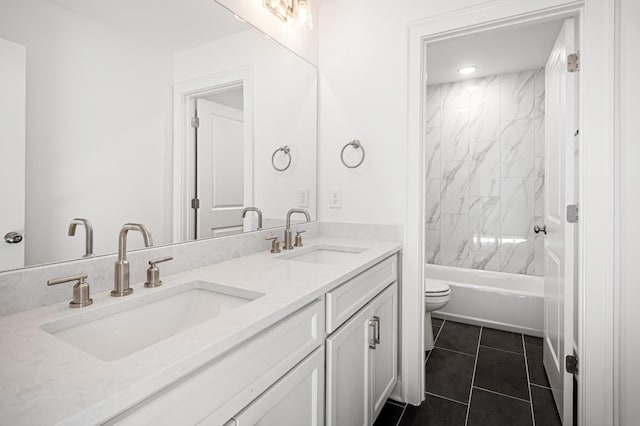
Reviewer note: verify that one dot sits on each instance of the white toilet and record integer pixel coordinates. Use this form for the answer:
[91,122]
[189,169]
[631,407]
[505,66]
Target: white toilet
[436,296]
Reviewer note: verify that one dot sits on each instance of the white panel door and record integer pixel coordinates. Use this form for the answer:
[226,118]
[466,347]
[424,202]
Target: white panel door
[12,151]
[296,399]
[384,357]
[559,242]
[220,160]
[347,373]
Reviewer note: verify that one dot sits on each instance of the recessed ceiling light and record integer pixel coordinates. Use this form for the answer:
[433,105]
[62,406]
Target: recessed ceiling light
[467,70]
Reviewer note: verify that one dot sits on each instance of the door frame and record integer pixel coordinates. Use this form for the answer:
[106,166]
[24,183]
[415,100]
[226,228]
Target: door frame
[596,255]
[184,93]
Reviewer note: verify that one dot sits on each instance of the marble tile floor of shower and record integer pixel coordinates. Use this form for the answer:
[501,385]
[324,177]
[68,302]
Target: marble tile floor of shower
[479,376]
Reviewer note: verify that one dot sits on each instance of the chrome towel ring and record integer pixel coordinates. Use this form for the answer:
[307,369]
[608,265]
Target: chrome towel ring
[287,151]
[355,144]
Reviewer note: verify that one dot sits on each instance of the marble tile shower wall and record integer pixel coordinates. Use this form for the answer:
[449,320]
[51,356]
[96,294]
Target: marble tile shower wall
[485,172]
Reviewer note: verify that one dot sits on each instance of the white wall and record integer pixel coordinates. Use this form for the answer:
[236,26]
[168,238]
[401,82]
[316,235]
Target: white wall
[285,112]
[88,150]
[363,96]
[629,31]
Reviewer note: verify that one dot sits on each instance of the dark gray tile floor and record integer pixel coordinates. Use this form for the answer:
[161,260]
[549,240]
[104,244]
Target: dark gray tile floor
[478,376]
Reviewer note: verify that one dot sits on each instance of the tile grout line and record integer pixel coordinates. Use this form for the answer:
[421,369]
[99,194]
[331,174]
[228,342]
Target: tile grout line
[502,350]
[526,365]
[435,339]
[396,403]
[453,350]
[473,377]
[444,397]
[501,394]
[541,386]
[401,415]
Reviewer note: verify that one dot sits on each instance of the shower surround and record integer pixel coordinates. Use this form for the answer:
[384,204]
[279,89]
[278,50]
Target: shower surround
[484,141]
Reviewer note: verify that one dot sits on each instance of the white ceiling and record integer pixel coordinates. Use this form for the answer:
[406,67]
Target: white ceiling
[493,52]
[172,24]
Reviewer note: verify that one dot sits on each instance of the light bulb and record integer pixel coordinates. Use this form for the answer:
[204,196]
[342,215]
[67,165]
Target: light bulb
[304,19]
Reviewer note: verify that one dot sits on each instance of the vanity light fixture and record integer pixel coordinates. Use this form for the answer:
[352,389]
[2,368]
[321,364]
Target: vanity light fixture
[467,70]
[296,12]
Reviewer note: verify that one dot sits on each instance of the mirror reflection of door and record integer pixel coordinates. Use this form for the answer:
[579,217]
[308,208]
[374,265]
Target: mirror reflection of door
[12,152]
[220,163]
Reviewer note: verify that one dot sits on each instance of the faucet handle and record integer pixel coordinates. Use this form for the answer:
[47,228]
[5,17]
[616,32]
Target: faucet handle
[80,289]
[275,244]
[299,238]
[153,273]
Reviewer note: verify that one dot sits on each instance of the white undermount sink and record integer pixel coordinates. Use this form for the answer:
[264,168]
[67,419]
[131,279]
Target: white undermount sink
[117,330]
[324,254]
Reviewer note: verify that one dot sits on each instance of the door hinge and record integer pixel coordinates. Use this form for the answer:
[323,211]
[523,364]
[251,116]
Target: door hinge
[572,213]
[573,62]
[195,122]
[571,364]
[195,203]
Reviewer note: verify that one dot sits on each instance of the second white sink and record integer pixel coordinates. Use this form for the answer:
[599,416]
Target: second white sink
[121,329]
[325,254]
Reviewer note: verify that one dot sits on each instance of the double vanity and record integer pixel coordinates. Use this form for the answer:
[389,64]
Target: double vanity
[305,336]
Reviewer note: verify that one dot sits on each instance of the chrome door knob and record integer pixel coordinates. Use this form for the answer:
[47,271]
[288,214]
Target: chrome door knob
[12,238]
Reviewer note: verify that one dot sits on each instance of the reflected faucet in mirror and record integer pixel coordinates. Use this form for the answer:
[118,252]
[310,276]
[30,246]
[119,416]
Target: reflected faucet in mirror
[121,280]
[258,212]
[88,234]
[288,240]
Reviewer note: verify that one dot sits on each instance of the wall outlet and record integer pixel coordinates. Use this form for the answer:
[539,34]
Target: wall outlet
[335,198]
[303,197]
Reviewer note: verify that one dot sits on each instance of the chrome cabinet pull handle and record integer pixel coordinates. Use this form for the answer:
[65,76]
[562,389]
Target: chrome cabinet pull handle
[12,238]
[375,323]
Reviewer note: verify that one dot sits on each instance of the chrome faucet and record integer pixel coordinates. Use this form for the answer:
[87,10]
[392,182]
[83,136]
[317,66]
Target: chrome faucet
[288,244]
[88,234]
[253,209]
[121,286]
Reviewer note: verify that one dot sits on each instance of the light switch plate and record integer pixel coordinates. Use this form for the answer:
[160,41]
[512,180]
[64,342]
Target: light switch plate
[335,198]
[303,197]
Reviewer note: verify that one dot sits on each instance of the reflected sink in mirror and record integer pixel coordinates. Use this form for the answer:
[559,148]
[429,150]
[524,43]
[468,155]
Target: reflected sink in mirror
[324,254]
[115,331]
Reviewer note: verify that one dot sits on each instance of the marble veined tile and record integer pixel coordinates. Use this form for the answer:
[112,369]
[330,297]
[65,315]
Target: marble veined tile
[454,240]
[539,132]
[455,95]
[517,254]
[516,206]
[484,111]
[432,246]
[484,223]
[454,188]
[432,147]
[538,90]
[538,202]
[517,95]
[484,228]
[484,173]
[432,204]
[432,110]
[517,143]
[454,134]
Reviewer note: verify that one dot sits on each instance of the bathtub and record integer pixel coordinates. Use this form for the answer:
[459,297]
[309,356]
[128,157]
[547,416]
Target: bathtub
[510,302]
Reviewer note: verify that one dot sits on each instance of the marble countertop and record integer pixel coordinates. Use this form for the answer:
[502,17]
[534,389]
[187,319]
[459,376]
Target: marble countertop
[44,380]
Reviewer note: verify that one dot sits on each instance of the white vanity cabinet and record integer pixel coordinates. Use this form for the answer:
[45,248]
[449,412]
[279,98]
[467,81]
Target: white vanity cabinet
[216,392]
[295,400]
[362,360]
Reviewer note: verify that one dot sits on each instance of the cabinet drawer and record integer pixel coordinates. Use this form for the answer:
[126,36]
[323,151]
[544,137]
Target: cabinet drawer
[344,301]
[222,388]
[296,399]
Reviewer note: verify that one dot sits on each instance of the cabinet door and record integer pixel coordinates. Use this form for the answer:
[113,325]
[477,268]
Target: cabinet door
[384,357]
[347,373]
[296,399]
